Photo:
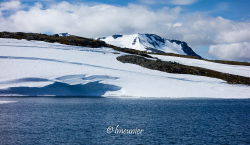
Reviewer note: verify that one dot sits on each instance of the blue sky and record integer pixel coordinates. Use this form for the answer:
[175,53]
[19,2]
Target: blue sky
[230,9]
[217,29]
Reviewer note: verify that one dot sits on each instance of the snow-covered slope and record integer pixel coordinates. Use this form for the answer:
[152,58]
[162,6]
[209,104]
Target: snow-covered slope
[232,69]
[40,68]
[150,42]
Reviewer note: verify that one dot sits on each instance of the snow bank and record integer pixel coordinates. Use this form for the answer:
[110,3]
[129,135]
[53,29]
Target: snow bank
[40,68]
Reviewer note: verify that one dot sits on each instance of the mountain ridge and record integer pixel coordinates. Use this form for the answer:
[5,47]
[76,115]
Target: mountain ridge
[93,43]
[150,43]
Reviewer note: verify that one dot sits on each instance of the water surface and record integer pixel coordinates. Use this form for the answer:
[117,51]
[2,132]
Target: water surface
[57,120]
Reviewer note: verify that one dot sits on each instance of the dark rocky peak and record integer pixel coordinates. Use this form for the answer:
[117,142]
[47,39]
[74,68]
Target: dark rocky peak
[155,37]
[116,36]
[188,50]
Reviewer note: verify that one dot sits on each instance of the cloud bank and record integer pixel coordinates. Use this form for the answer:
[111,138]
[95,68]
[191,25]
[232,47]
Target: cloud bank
[232,51]
[225,38]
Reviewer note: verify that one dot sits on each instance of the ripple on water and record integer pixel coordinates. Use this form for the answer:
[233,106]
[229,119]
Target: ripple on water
[7,102]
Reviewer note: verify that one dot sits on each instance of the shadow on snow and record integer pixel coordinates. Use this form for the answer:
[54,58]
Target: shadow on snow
[62,89]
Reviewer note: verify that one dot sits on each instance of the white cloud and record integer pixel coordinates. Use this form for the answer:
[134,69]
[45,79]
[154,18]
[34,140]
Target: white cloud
[97,20]
[10,5]
[177,24]
[89,20]
[232,51]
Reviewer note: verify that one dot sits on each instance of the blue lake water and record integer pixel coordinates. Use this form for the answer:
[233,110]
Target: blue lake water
[57,120]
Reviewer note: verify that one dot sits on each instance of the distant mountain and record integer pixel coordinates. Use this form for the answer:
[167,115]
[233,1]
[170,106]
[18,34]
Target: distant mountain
[150,43]
[64,34]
